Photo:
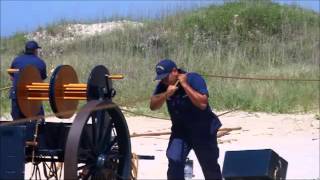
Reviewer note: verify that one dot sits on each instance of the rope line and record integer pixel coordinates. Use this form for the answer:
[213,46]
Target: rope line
[40,117]
[239,77]
[260,78]
[155,117]
[108,106]
[5,88]
[141,114]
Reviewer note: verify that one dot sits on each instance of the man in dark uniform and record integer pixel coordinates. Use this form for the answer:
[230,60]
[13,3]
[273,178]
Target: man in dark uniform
[194,125]
[30,57]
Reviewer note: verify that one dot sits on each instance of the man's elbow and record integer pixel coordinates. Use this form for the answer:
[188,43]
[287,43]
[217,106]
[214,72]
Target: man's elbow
[203,102]
[203,106]
[152,106]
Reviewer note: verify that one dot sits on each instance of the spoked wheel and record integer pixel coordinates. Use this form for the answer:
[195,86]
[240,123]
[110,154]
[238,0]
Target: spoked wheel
[98,144]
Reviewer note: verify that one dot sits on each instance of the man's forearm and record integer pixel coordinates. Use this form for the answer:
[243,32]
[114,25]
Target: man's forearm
[157,101]
[198,99]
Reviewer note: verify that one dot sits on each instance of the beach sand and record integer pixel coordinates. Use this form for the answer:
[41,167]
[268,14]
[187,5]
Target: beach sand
[295,137]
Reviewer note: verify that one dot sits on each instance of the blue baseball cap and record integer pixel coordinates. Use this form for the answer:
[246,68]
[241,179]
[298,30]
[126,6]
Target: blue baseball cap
[164,68]
[31,45]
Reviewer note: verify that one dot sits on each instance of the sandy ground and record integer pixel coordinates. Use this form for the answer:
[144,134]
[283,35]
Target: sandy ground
[293,137]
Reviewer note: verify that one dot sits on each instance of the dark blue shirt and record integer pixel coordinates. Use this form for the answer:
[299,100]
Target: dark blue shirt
[184,114]
[21,62]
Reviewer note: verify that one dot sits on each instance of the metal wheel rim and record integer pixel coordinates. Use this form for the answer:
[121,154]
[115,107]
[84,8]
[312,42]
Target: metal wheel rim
[103,154]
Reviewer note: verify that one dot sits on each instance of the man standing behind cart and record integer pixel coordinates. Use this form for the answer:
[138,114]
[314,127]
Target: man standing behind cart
[194,125]
[30,57]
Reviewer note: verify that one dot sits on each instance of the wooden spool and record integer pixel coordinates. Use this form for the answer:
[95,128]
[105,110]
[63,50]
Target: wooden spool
[64,90]
[60,101]
[24,95]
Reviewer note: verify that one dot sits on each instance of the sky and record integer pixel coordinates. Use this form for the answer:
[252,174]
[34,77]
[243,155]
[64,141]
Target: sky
[28,15]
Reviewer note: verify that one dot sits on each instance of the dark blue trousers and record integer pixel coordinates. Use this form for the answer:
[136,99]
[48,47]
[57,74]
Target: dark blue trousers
[207,153]
[16,114]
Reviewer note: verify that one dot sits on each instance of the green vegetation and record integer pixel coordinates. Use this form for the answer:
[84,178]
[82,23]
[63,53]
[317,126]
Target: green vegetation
[243,38]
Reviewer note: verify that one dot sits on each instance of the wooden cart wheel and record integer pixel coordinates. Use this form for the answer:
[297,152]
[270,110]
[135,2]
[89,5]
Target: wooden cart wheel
[98,144]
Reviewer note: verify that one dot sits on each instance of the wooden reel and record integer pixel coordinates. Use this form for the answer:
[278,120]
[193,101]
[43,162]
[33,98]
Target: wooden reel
[64,90]
[29,90]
